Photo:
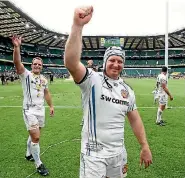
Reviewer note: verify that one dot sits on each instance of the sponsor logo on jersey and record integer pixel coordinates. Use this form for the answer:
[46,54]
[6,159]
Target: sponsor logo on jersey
[94,147]
[114,100]
[115,84]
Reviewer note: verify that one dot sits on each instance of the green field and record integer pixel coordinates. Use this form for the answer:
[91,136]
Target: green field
[60,139]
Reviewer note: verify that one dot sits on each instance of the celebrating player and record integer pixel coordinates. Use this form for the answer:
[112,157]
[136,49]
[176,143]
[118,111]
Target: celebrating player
[35,90]
[107,100]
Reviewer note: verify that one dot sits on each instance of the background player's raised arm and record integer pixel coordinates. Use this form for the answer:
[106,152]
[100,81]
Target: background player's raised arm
[16,55]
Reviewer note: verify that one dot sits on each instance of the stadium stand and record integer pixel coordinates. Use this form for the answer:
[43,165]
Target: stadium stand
[144,54]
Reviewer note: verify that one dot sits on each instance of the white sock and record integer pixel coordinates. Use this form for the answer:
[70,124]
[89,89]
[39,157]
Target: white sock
[28,151]
[35,150]
[159,114]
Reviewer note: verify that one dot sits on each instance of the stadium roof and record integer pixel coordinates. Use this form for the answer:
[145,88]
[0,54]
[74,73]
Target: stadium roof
[14,21]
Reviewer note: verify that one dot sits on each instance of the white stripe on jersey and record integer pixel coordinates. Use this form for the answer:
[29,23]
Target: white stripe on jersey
[28,89]
[92,121]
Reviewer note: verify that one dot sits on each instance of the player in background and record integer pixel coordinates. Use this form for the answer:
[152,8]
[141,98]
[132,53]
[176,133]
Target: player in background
[51,76]
[90,63]
[35,91]
[163,94]
[3,78]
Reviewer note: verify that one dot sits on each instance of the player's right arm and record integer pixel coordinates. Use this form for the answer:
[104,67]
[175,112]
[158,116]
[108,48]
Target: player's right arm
[16,55]
[73,46]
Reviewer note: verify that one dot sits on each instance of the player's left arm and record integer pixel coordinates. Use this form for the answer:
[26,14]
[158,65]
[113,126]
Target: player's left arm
[47,96]
[139,131]
[164,86]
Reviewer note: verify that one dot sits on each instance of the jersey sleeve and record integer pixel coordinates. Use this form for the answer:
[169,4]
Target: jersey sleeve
[24,74]
[132,103]
[46,85]
[87,81]
[163,80]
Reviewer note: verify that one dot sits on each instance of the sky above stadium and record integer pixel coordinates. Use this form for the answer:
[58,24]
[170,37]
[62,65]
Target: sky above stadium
[110,17]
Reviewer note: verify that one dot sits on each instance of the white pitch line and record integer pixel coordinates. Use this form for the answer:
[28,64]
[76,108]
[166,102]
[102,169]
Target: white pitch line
[169,107]
[73,140]
[79,107]
[70,107]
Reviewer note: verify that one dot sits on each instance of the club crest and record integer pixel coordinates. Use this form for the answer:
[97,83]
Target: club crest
[125,168]
[124,93]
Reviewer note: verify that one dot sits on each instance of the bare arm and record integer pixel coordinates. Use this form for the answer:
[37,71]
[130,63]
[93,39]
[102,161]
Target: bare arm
[16,55]
[48,99]
[73,51]
[139,131]
[73,48]
[166,90]
[137,127]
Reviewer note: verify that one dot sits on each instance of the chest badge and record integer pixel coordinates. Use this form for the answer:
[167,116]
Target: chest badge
[124,93]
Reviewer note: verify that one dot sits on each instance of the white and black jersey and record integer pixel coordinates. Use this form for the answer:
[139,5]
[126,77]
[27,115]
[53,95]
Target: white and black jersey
[161,79]
[106,103]
[33,89]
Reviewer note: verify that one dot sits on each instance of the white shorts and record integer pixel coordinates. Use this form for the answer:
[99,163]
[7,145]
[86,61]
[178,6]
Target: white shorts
[163,99]
[93,167]
[34,118]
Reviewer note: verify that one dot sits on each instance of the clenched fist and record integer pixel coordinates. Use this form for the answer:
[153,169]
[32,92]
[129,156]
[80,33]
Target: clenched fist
[82,15]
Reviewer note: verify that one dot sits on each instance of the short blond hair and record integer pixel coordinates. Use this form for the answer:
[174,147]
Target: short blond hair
[38,58]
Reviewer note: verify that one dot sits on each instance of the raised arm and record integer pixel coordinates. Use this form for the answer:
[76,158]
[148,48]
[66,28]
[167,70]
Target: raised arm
[16,55]
[73,48]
